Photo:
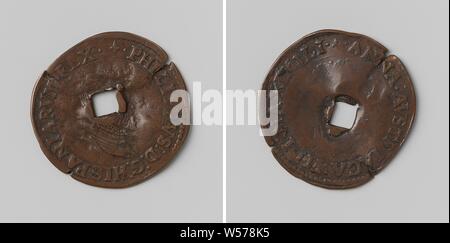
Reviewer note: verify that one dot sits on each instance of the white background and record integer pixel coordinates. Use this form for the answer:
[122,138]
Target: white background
[33,35]
[415,186]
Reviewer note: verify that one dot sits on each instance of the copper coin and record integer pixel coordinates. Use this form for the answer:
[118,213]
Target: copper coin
[315,73]
[122,148]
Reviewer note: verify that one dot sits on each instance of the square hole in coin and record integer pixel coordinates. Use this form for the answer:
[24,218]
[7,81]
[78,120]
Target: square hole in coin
[105,103]
[344,115]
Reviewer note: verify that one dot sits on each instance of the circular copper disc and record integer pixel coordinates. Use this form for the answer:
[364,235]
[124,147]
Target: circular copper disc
[332,66]
[122,148]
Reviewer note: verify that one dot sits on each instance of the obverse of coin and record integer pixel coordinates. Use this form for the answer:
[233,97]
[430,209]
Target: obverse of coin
[122,148]
[315,73]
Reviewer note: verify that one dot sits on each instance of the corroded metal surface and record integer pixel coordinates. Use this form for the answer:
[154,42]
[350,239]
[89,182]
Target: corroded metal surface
[122,148]
[332,66]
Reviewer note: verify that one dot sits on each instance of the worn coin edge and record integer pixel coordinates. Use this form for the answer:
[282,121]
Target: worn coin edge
[165,160]
[387,159]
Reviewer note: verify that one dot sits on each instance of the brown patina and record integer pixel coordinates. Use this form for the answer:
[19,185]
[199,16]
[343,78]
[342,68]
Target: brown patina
[122,148]
[315,73]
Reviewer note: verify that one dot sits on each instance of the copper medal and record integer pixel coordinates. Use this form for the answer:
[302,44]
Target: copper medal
[311,77]
[122,148]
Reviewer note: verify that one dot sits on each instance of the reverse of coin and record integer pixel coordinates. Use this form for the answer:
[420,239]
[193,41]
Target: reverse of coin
[122,148]
[315,74]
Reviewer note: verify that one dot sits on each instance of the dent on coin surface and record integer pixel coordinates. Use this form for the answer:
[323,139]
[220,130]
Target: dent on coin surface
[122,148]
[312,76]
